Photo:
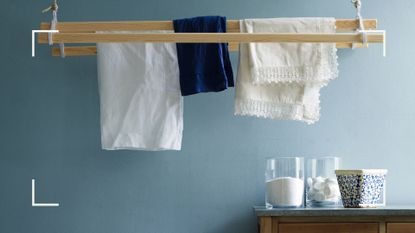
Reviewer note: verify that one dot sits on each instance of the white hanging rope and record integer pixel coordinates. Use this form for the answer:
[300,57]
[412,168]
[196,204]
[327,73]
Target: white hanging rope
[52,26]
[361,29]
[54,8]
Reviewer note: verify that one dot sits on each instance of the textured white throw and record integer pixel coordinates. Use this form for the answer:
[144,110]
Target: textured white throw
[283,80]
[141,102]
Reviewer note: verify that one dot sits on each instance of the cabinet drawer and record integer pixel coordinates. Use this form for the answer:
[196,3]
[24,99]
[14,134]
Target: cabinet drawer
[401,228]
[328,228]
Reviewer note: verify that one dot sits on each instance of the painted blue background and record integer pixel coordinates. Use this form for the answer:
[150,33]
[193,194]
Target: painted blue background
[49,127]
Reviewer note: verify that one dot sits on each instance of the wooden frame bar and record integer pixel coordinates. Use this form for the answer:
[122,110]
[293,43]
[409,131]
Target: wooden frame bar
[74,51]
[84,32]
[92,50]
[211,38]
[232,25]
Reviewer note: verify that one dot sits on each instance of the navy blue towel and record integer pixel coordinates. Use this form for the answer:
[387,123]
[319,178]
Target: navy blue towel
[203,67]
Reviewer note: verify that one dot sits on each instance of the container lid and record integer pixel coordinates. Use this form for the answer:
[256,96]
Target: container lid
[362,172]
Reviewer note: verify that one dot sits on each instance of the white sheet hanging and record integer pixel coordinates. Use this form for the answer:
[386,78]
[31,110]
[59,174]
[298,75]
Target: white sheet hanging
[141,103]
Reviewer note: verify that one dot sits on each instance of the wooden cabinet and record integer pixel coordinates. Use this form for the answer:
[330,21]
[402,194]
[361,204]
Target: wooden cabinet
[328,228]
[401,227]
[337,220]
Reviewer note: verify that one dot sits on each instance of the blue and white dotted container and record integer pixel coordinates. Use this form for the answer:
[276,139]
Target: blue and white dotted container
[362,188]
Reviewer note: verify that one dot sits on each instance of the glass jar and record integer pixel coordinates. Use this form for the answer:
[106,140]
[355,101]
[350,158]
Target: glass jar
[284,182]
[322,189]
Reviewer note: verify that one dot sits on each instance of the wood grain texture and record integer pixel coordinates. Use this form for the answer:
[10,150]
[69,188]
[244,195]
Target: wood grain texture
[382,227]
[71,51]
[329,228]
[275,224]
[210,38]
[400,228]
[265,225]
[333,219]
[232,25]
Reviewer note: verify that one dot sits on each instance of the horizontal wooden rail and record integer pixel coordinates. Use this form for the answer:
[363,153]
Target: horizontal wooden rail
[92,50]
[232,25]
[73,51]
[210,38]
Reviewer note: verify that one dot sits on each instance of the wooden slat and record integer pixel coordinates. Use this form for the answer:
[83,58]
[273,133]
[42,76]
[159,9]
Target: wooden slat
[209,37]
[71,51]
[265,225]
[350,25]
[350,45]
[382,227]
[400,228]
[329,228]
[400,219]
[233,47]
[92,50]
[275,225]
[232,25]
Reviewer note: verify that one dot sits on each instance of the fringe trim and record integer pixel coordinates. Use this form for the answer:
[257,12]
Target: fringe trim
[272,110]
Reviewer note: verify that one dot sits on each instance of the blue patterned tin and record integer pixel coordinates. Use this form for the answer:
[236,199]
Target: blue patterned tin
[361,188]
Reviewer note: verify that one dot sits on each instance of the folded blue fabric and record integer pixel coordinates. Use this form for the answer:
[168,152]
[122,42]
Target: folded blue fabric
[203,67]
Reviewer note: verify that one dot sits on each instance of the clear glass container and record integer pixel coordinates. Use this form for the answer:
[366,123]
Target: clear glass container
[322,189]
[284,182]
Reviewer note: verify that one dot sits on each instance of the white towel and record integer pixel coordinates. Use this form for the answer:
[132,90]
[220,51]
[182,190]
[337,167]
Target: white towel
[141,103]
[280,62]
[283,80]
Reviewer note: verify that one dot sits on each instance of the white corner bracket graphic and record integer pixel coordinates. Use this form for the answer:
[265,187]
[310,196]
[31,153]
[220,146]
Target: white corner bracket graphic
[384,38]
[34,204]
[33,38]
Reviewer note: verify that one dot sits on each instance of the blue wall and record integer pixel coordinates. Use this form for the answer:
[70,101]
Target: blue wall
[49,127]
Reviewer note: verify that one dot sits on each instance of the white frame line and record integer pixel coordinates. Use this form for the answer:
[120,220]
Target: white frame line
[384,38]
[33,38]
[34,204]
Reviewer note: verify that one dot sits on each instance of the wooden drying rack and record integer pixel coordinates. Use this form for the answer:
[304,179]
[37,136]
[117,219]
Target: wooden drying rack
[85,32]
